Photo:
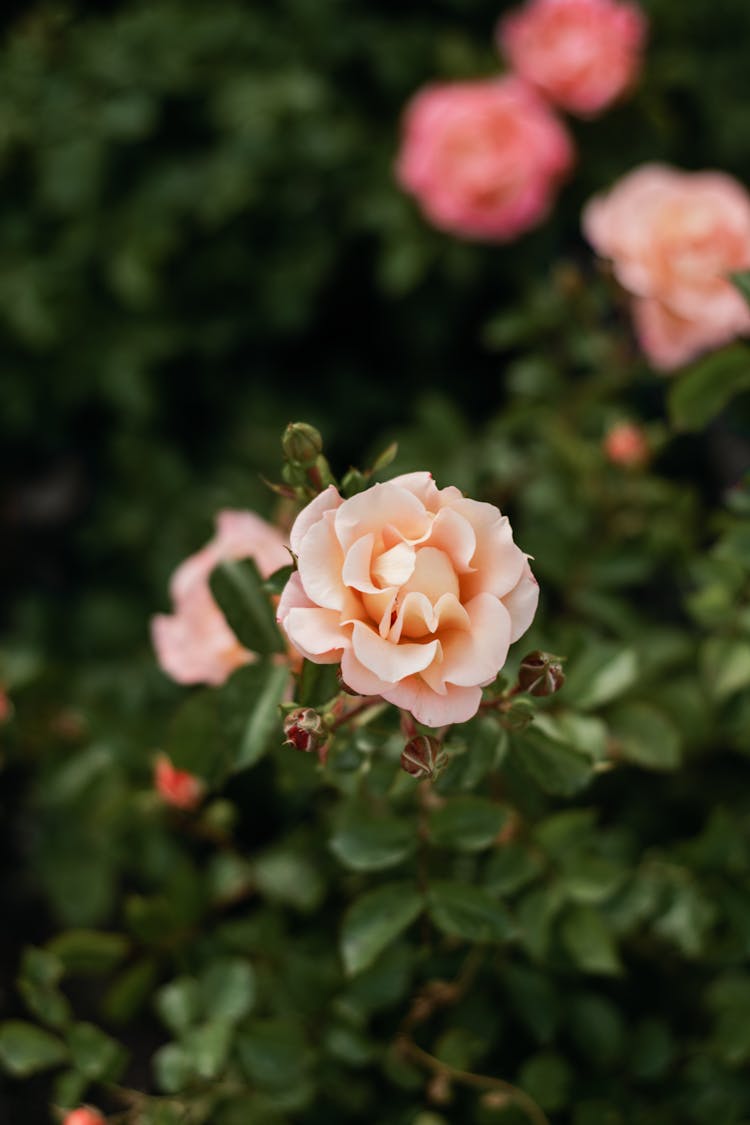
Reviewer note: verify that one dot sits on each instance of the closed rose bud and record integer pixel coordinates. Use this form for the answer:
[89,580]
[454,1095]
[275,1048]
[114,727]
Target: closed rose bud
[304,730]
[419,756]
[625,444]
[301,443]
[176,787]
[540,674]
[84,1116]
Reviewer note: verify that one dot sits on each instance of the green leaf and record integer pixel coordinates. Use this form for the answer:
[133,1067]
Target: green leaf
[26,1049]
[468,912]
[375,920]
[741,281]
[511,867]
[602,673]
[386,458]
[172,1068]
[250,711]
[467,824]
[645,736]
[555,766]
[179,1004]
[69,1088]
[276,582]
[45,1002]
[130,991]
[238,589]
[196,741]
[701,392]
[89,952]
[588,940]
[206,1048]
[365,843]
[547,1078]
[274,1053]
[95,1053]
[284,875]
[228,989]
[726,664]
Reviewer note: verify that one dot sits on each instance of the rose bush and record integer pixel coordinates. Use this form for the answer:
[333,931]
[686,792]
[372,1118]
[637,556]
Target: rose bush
[417,591]
[484,158]
[673,239]
[582,54]
[194,644]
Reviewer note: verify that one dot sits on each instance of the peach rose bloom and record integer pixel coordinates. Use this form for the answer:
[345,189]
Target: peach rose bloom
[583,54]
[195,645]
[625,444]
[673,238]
[484,159]
[417,591]
[84,1116]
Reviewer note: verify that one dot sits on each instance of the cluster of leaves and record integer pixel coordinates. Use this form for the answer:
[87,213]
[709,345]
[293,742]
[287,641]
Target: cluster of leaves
[559,925]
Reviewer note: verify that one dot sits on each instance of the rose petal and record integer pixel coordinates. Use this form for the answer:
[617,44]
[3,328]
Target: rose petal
[358,563]
[359,678]
[395,566]
[320,563]
[521,603]
[317,634]
[390,662]
[456,537]
[310,515]
[457,705]
[475,655]
[380,506]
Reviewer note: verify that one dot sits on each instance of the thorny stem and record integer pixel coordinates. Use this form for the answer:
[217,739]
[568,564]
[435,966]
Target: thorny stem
[440,994]
[341,720]
[479,1081]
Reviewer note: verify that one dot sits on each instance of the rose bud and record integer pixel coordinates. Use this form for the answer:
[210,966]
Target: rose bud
[626,445]
[419,756]
[304,730]
[540,674]
[301,443]
[84,1116]
[176,787]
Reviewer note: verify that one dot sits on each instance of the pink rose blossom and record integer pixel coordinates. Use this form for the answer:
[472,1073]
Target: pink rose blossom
[176,787]
[484,158]
[195,644]
[674,238]
[417,591]
[84,1116]
[625,444]
[583,54]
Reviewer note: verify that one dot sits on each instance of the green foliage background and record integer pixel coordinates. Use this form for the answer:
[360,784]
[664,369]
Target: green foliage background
[200,238]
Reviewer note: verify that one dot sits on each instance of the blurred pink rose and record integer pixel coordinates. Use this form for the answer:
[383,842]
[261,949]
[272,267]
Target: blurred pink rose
[625,444]
[176,787]
[84,1116]
[583,54]
[195,644]
[416,590]
[484,159]
[673,238]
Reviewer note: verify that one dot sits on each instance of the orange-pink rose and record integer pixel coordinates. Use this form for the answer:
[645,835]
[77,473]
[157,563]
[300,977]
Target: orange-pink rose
[674,238]
[625,444]
[195,644]
[417,591]
[583,54]
[176,787]
[483,158]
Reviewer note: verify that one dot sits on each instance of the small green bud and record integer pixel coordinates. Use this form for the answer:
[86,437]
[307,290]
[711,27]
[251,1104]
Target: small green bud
[301,443]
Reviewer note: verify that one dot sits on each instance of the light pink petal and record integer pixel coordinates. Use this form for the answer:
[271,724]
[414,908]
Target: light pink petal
[415,618]
[317,634]
[380,506]
[521,603]
[670,341]
[497,561]
[390,662]
[197,650]
[357,565]
[421,484]
[292,595]
[450,614]
[395,566]
[452,533]
[359,678]
[457,705]
[246,535]
[476,655]
[320,563]
[311,514]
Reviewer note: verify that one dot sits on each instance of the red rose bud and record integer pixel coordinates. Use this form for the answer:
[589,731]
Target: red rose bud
[304,730]
[176,787]
[540,674]
[419,756]
[301,443]
[625,444]
[84,1116]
